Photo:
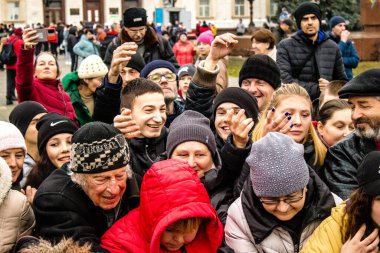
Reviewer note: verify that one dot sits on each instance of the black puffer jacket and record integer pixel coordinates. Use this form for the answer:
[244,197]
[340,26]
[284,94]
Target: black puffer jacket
[341,163]
[326,62]
[159,50]
[145,151]
[63,209]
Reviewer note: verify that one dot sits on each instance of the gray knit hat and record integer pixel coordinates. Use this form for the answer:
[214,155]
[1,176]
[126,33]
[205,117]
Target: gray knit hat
[277,166]
[190,126]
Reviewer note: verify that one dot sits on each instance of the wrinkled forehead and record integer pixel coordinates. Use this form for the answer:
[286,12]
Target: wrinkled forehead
[161,71]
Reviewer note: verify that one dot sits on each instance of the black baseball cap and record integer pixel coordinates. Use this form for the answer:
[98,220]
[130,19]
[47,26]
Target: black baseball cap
[368,174]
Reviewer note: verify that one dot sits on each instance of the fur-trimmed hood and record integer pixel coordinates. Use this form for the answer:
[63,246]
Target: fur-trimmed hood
[5,180]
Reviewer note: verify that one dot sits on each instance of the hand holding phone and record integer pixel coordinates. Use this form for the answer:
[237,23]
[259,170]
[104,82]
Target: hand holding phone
[42,35]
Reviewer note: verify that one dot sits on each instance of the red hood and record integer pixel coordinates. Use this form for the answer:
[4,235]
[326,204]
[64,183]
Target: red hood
[172,191]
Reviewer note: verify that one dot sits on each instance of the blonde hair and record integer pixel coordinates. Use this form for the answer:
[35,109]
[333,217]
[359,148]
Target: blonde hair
[288,90]
[65,245]
[187,225]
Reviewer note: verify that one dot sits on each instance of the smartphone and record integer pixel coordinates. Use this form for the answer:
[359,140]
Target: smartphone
[42,35]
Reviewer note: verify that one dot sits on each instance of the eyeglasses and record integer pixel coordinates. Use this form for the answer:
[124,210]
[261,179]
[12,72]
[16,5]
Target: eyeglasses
[157,77]
[287,200]
[141,30]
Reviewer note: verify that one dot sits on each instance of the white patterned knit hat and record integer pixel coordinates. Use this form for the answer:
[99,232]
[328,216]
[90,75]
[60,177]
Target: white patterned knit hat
[98,147]
[277,166]
[92,66]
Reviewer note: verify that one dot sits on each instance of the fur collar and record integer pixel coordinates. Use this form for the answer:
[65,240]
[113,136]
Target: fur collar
[5,180]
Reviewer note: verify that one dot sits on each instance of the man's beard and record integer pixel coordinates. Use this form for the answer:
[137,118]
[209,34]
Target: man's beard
[371,132]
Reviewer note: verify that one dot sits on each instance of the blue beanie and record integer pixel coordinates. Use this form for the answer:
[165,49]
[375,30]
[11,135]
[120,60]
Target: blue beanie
[336,20]
[155,65]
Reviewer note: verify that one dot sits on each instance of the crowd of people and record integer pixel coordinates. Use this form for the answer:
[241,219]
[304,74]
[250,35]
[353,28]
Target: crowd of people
[144,147]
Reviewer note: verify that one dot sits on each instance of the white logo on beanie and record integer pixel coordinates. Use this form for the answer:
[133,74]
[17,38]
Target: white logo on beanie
[184,69]
[137,19]
[58,122]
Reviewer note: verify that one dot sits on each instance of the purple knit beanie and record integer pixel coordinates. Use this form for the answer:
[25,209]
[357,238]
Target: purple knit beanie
[206,37]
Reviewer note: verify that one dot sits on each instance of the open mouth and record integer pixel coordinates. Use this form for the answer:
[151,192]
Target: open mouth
[154,126]
[64,159]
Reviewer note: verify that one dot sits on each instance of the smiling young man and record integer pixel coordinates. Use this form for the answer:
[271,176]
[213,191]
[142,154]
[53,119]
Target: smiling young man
[309,58]
[343,159]
[86,196]
[143,108]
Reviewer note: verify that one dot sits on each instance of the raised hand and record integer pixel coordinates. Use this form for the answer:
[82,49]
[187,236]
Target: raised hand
[127,126]
[121,56]
[29,36]
[221,46]
[367,245]
[240,126]
[281,124]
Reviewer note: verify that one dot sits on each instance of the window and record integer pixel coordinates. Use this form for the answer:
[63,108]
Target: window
[74,12]
[204,8]
[239,7]
[13,10]
[114,11]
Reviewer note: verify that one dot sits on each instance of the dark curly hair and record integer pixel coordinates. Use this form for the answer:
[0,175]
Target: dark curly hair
[358,211]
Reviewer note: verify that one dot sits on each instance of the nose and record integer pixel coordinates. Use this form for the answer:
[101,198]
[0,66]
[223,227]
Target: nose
[346,131]
[356,114]
[178,238]
[113,187]
[191,161]
[282,206]
[66,147]
[252,88]
[11,161]
[296,119]
[157,117]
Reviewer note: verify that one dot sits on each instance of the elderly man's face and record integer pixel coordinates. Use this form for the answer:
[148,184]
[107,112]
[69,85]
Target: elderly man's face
[107,188]
[167,81]
[366,116]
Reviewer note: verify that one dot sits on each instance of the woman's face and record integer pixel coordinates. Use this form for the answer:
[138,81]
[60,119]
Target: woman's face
[14,157]
[375,212]
[299,108]
[285,208]
[260,47]
[58,149]
[93,83]
[46,67]
[338,126]
[196,154]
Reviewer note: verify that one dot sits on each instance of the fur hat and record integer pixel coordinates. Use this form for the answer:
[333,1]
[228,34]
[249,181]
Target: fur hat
[92,66]
[366,83]
[23,114]
[134,17]
[278,167]
[190,126]
[307,8]
[98,147]
[11,137]
[261,67]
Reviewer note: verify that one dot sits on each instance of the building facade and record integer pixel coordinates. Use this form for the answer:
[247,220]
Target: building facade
[222,13]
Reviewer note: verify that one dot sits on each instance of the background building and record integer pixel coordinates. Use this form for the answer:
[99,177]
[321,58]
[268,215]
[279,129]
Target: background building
[222,13]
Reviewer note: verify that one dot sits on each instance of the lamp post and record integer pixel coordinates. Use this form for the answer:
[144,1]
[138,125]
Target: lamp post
[251,24]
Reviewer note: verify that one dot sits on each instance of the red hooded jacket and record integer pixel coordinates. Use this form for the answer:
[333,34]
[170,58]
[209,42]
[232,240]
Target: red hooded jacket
[170,191]
[49,93]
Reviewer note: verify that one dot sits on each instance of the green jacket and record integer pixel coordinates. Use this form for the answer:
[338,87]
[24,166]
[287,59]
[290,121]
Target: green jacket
[70,84]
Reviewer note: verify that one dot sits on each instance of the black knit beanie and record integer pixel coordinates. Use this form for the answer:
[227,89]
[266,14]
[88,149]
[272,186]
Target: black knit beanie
[52,124]
[136,62]
[261,67]
[23,114]
[190,126]
[239,97]
[305,9]
[134,17]
[98,147]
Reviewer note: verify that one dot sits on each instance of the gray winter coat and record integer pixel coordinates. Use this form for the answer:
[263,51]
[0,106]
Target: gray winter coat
[298,64]
[341,163]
